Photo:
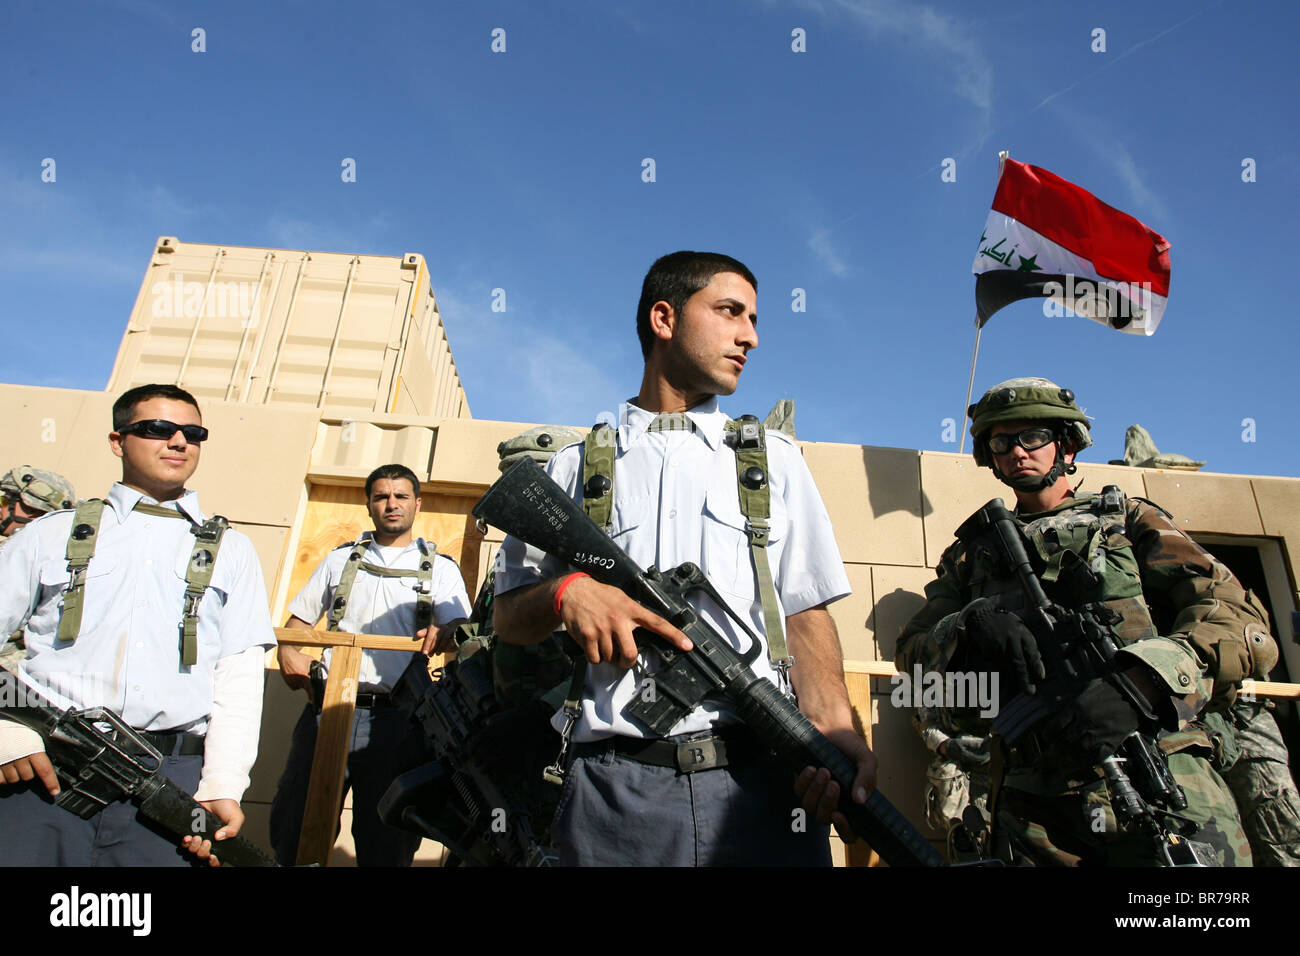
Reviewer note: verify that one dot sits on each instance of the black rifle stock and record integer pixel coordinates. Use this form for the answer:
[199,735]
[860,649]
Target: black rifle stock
[97,767]
[1077,646]
[526,503]
[465,798]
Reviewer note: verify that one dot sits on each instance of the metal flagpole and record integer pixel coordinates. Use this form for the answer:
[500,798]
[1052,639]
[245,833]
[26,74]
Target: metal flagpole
[979,327]
[970,385]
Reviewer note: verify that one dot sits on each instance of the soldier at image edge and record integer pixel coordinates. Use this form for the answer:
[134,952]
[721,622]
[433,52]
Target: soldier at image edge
[26,493]
[1189,634]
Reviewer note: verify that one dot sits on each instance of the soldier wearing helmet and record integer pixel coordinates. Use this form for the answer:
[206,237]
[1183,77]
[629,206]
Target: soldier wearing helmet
[29,493]
[1188,634]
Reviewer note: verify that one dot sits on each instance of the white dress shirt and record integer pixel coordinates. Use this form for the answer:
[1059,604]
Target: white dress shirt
[382,605]
[675,500]
[127,655]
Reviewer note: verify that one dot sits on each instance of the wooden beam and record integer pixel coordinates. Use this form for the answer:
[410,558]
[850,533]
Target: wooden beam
[371,642]
[325,791]
[859,853]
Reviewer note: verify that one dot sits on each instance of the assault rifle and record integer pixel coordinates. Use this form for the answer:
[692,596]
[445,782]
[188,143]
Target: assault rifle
[473,797]
[1078,646]
[98,767]
[526,503]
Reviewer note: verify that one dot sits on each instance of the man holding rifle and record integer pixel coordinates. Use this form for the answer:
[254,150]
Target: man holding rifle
[1182,635]
[666,484]
[141,604]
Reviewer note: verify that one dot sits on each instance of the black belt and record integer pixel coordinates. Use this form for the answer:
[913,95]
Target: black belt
[174,743]
[686,754]
[377,700]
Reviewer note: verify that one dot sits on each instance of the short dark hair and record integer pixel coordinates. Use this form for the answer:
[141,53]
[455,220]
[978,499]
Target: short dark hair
[676,277]
[124,407]
[392,473]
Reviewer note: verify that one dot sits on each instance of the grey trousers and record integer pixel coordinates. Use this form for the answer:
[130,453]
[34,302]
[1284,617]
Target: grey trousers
[34,832]
[377,737]
[617,812]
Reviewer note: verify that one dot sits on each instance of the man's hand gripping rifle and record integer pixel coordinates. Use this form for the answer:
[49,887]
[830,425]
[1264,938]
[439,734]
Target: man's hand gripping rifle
[526,503]
[98,767]
[1078,646]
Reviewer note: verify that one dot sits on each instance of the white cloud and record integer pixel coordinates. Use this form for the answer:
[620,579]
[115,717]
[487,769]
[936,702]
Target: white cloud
[290,232]
[820,244]
[523,364]
[948,39]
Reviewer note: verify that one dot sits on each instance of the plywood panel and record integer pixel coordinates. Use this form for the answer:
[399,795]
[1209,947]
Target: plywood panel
[874,499]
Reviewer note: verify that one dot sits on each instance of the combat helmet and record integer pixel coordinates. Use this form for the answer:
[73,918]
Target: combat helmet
[38,489]
[1030,399]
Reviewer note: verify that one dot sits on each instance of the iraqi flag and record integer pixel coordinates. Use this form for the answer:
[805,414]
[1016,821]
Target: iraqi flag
[1046,237]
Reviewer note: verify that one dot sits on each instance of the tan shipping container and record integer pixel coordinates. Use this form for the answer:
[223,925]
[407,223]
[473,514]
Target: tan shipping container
[349,333]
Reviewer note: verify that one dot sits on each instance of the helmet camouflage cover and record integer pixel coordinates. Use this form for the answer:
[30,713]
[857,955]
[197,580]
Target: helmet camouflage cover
[38,489]
[1026,400]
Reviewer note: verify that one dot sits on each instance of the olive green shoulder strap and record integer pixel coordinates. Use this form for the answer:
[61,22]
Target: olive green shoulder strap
[424,586]
[198,572]
[598,473]
[746,437]
[597,502]
[356,562]
[344,590]
[198,575]
[80,549]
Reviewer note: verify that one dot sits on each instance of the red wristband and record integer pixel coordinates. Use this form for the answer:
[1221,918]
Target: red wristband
[564,586]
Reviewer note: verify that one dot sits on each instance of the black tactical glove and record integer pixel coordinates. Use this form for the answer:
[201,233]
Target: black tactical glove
[967,750]
[1092,726]
[994,640]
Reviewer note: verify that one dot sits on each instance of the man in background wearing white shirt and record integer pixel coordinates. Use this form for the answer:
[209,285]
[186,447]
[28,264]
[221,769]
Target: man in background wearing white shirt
[388,582]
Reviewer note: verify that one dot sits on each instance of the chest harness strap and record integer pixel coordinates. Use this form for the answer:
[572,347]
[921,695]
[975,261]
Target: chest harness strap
[198,572]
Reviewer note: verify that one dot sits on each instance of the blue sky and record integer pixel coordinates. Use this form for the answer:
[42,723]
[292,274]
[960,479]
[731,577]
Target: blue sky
[522,170]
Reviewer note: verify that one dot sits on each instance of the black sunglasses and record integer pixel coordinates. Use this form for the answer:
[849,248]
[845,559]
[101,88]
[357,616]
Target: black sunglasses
[1030,439]
[161,428]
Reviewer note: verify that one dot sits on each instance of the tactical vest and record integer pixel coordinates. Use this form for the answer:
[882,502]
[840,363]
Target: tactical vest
[745,436]
[356,561]
[198,572]
[1083,555]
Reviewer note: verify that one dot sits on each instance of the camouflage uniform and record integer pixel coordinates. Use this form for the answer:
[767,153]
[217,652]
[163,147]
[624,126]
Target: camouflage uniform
[957,786]
[39,490]
[1253,760]
[1172,586]
[1129,556]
